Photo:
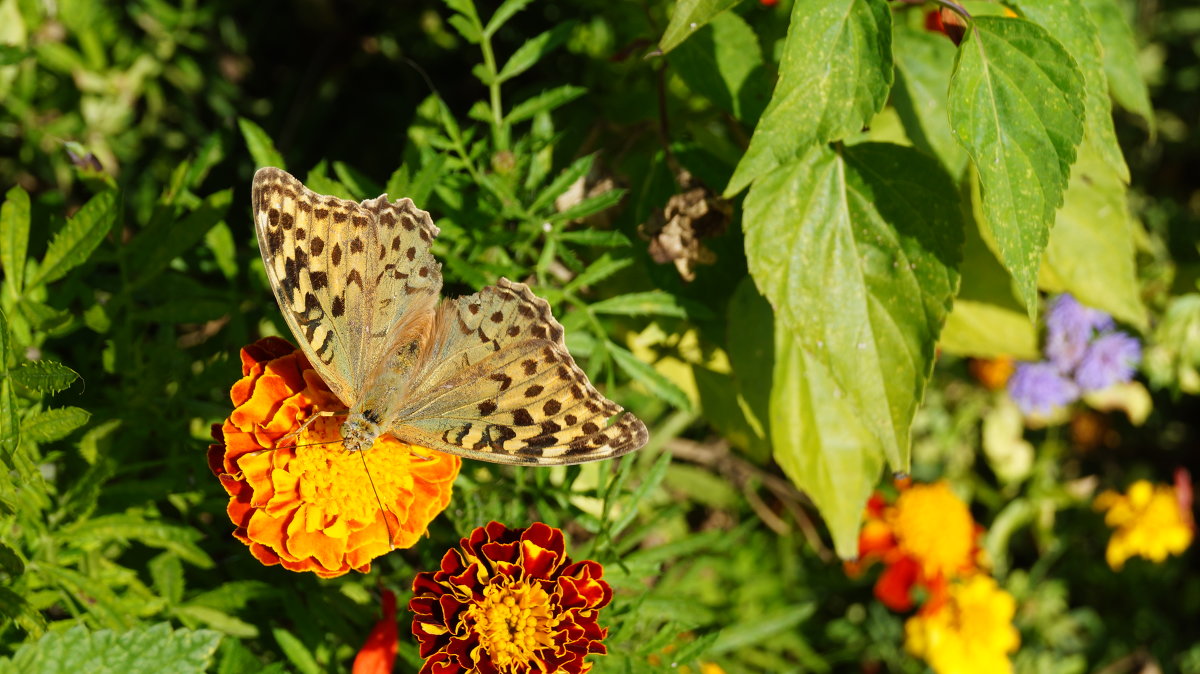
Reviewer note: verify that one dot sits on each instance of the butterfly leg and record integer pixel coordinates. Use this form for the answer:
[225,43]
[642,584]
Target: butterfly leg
[309,421]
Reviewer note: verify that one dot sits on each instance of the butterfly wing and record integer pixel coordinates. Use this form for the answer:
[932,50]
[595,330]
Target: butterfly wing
[351,278]
[496,383]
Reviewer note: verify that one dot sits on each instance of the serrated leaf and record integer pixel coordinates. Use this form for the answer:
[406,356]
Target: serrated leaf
[648,303]
[534,50]
[858,253]
[1016,104]
[821,442]
[55,424]
[924,61]
[1068,21]
[261,148]
[74,243]
[41,316]
[987,319]
[14,606]
[834,76]
[544,102]
[687,17]
[1120,58]
[157,648]
[602,268]
[646,375]
[44,376]
[1092,250]
[723,62]
[14,239]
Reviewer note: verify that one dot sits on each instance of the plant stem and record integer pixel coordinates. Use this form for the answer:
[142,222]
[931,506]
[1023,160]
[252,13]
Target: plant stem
[499,135]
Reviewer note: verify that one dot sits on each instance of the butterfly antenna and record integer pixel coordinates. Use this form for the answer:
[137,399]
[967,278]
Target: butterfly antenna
[391,539]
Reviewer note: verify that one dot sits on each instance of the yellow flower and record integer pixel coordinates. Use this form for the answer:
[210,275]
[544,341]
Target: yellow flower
[1148,521]
[935,527]
[971,631]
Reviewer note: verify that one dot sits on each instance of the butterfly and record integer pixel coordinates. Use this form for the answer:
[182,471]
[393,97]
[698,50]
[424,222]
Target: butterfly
[486,376]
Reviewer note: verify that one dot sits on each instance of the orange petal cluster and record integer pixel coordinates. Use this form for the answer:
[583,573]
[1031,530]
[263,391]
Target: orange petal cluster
[924,539]
[378,654]
[509,601]
[301,500]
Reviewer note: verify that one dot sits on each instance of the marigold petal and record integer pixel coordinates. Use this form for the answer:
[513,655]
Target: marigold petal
[894,587]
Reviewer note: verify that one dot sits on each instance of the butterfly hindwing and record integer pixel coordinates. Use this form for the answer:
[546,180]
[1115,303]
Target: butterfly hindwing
[497,383]
[350,277]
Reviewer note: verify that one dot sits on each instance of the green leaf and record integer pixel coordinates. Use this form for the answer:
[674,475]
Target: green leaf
[648,303]
[55,424]
[859,256]
[153,249]
[544,102]
[14,606]
[562,182]
[821,441]
[167,572]
[1092,250]
[923,64]
[262,150]
[10,561]
[534,50]
[470,31]
[111,528]
[723,62]
[596,237]
[688,17]
[10,423]
[503,13]
[757,631]
[44,376]
[604,266]
[295,651]
[1069,23]
[157,648]
[217,620]
[356,181]
[589,206]
[750,342]
[14,239]
[987,319]
[834,76]
[645,374]
[1016,104]
[75,242]
[1121,58]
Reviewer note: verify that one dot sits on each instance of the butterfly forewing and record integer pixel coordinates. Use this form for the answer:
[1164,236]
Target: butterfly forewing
[350,277]
[497,383]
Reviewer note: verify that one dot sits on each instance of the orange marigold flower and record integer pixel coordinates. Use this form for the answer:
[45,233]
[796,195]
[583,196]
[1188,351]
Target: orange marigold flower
[306,507]
[378,654]
[509,601]
[1149,521]
[925,538]
[970,632]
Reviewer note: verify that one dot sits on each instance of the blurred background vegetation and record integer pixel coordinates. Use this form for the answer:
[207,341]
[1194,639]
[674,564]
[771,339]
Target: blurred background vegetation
[111,518]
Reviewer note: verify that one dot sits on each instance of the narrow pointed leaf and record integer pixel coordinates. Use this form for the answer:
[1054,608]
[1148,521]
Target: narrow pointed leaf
[74,243]
[14,238]
[1016,104]
[687,17]
[261,148]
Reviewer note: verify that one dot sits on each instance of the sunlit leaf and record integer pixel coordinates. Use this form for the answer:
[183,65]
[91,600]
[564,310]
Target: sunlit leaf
[261,148]
[156,648]
[687,17]
[74,243]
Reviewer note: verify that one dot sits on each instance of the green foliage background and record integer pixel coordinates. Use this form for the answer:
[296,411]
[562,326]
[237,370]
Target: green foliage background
[888,195]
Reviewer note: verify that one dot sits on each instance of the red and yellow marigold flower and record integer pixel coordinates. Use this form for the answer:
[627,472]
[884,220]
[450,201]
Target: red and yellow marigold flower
[970,632]
[924,539]
[509,601]
[1149,521]
[300,500]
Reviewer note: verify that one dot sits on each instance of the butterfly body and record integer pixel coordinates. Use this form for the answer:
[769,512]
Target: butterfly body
[485,376]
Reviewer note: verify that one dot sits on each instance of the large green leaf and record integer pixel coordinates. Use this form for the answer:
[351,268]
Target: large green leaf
[987,320]
[262,150]
[157,648]
[834,76]
[14,238]
[923,64]
[858,252]
[723,62]
[73,244]
[1121,58]
[689,16]
[1092,249]
[1016,104]
[821,441]
[1069,23]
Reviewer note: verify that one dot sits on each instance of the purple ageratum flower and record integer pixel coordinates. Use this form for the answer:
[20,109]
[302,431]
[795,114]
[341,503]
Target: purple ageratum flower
[1069,327]
[1040,387]
[1108,360]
